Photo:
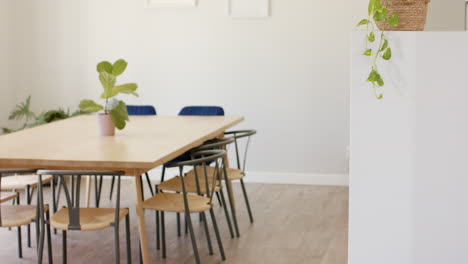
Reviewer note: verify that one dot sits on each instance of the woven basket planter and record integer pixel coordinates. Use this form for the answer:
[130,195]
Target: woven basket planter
[412,14]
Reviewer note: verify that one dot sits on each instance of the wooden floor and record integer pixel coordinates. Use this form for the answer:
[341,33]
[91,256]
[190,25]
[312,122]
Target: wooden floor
[293,224]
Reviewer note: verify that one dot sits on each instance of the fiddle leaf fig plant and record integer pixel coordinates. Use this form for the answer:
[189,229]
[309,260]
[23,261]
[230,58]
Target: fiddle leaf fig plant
[377,13]
[117,109]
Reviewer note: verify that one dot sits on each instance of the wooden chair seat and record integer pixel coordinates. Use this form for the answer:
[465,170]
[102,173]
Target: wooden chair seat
[6,196]
[90,218]
[174,202]
[233,174]
[190,184]
[19,182]
[18,215]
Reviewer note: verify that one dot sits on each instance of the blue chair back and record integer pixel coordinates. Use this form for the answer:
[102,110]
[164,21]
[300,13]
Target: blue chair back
[202,111]
[141,110]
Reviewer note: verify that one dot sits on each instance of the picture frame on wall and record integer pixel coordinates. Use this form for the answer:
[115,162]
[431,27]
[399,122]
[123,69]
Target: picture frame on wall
[249,8]
[175,3]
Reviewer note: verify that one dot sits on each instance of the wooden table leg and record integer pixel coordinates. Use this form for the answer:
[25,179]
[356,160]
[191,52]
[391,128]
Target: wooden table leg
[88,190]
[141,219]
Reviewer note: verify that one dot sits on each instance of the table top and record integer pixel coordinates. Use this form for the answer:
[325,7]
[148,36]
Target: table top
[75,143]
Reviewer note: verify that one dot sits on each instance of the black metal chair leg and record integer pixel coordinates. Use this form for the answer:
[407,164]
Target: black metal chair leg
[157,231]
[112,187]
[186,226]
[64,247]
[96,191]
[20,244]
[100,190]
[54,205]
[207,232]
[127,234]
[228,218]
[219,200]
[247,200]
[117,243]
[231,203]
[49,238]
[149,184]
[163,235]
[218,237]
[192,238]
[28,200]
[178,224]
[158,240]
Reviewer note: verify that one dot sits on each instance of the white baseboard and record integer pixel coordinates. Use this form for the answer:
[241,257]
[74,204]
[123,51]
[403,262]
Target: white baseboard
[278,177]
[298,178]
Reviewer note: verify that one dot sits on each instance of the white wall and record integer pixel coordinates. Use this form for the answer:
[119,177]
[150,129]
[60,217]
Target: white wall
[287,74]
[7,97]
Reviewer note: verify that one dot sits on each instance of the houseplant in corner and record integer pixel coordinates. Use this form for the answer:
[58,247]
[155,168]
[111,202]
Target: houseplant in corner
[115,111]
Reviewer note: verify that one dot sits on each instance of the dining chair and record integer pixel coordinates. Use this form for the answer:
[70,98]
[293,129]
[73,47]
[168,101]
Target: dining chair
[194,179]
[185,202]
[238,173]
[137,110]
[25,180]
[76,218]
[191,111]
[229,174]
[19,215]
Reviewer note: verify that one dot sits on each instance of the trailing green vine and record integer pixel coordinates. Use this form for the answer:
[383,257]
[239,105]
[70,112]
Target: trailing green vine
[377,13]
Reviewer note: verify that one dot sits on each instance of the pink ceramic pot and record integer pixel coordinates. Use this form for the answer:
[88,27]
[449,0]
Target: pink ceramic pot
[106,126]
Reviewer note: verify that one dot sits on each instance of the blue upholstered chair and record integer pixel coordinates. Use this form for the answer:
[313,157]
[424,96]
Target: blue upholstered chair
[141,110]
[202,111]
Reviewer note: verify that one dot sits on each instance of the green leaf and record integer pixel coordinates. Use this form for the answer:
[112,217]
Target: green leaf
[381,15]
[374,5]
[23,110]
[380,82]
[104,66]
[128,88]
[373,76]
[89,106]
[368,52]
[394,20]
[119,115]
[388,54]
[371,37]
[119,67]
[108,82]
[109,93]
[384,45]
[363,22]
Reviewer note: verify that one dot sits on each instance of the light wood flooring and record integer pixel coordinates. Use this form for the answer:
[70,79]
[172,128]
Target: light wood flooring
[293,224]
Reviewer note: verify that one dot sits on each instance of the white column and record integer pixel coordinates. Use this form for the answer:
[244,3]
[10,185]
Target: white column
[409,152]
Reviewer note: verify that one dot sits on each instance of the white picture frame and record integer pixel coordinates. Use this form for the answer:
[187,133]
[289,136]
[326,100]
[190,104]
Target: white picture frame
[249,8]
[169,3]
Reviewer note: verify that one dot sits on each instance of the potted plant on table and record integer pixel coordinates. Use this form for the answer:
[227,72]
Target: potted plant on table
[115,111]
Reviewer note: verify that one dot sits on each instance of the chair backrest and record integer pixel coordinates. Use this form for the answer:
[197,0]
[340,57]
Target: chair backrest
[72,194]
[141,110]
[14,172]
[202,111]
[237,135]
[202,158]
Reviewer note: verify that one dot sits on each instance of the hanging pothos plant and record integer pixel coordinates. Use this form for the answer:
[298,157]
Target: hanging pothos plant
[378,13]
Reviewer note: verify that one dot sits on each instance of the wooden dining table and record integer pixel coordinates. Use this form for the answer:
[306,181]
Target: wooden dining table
[146,143]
